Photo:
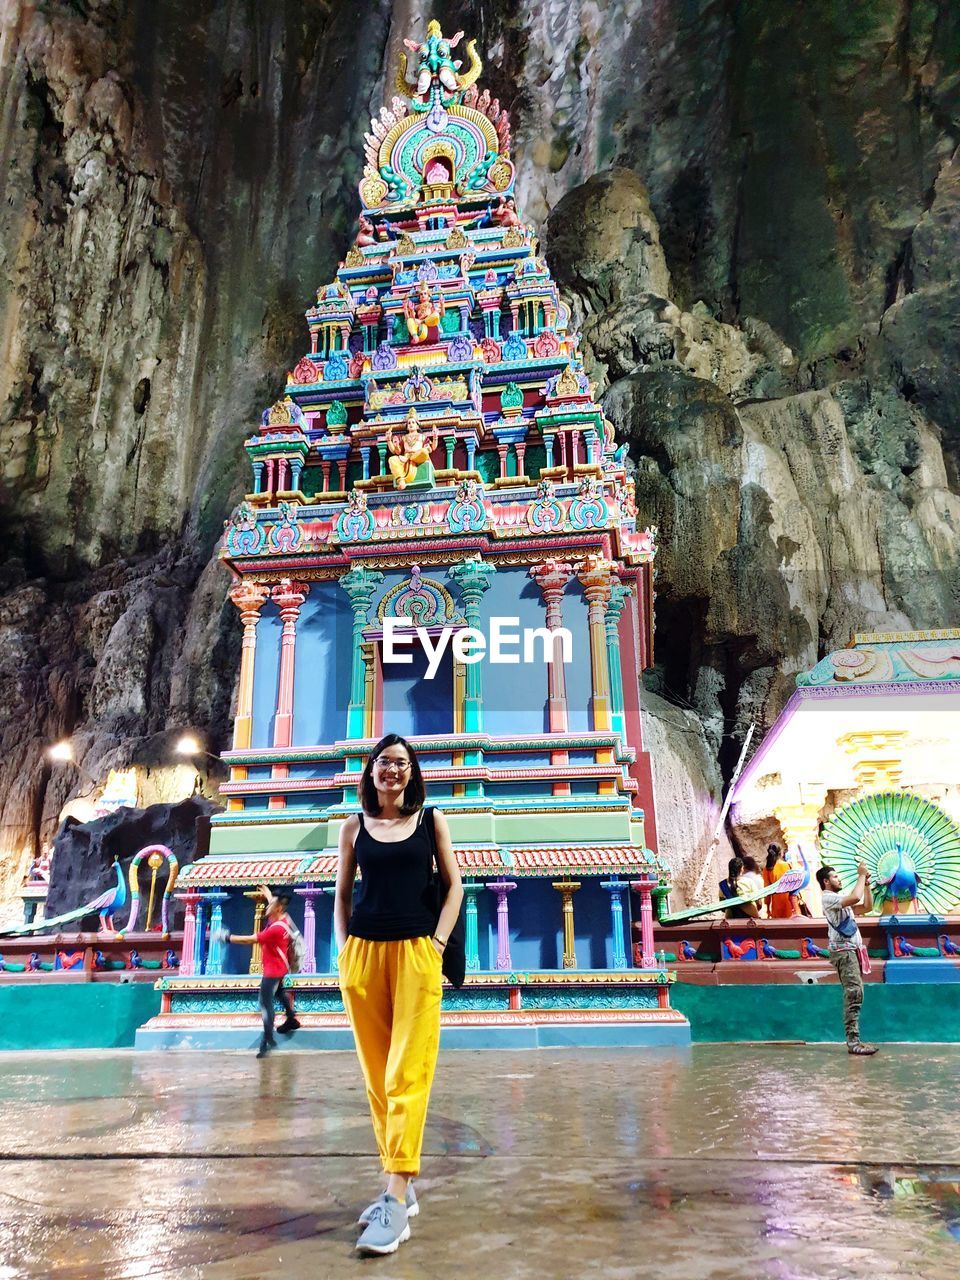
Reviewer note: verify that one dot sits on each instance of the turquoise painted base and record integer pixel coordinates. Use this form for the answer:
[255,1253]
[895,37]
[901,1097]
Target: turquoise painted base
[554,1036]
[922,970]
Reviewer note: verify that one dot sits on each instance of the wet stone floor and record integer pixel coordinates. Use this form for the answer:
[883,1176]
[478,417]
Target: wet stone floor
[723,1162]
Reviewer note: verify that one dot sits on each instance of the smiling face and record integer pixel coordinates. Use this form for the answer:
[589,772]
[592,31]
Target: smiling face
[391,770]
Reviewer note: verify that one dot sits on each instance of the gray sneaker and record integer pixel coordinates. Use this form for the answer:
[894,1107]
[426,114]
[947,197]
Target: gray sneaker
[413,1208]
[387,1227]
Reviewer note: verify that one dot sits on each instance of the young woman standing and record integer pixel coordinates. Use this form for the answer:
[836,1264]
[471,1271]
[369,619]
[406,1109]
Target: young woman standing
[391,944]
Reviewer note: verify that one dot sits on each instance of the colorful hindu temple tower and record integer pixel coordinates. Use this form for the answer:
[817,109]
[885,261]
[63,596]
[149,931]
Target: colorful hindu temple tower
[437,457]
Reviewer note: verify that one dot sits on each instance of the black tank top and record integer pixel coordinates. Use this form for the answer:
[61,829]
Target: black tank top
[397,897]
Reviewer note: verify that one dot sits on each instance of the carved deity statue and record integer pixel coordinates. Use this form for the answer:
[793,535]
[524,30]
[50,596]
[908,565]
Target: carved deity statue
[366,235]
[423,316]
[433,59]
[410,451]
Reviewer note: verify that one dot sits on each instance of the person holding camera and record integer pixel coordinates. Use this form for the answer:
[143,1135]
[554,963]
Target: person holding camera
[845,945]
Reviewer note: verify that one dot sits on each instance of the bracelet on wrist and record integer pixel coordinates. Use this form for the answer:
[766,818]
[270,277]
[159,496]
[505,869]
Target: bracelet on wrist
[441,942]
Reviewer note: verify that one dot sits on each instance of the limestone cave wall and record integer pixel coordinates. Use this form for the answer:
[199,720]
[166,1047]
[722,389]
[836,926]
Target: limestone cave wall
[755,207]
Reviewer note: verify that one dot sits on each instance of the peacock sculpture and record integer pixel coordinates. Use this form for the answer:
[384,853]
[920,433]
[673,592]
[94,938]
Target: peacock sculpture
[105,905]
[910,846]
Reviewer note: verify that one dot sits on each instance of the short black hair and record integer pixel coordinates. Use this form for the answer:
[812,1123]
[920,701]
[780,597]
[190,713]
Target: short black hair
[282,898]
[414,793]
[822,873]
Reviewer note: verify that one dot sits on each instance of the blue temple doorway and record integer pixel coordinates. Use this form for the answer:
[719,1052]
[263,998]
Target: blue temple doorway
[411,703]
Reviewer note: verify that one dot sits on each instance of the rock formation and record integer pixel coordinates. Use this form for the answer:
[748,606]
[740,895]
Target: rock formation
[84,852]
[755,209]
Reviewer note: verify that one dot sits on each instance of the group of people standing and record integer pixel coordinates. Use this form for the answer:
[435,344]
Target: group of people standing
[745,878]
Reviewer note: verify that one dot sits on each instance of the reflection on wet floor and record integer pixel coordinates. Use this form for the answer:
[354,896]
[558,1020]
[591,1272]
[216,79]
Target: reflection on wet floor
[746,1162]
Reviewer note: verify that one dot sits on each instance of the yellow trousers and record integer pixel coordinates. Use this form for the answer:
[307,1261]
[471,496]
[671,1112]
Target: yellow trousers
[391,992]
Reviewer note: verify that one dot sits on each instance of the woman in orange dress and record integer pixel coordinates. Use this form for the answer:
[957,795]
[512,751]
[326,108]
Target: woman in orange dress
[780,906]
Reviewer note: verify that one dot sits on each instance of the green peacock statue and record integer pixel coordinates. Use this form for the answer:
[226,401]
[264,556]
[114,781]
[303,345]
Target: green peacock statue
[911,848]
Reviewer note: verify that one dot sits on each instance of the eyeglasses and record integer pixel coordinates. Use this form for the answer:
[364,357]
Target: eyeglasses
[386,764]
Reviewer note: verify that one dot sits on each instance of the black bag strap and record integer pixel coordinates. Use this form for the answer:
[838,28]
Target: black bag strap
[427,813]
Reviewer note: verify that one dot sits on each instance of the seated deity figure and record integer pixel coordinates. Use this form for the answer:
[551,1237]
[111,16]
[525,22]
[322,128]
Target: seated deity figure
[367,233]
[423,317]
[505,214]
[410,451]
[438,172]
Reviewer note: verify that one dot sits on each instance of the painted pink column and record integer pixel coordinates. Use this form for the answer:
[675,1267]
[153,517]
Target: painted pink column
[552,577]
[189,933]
[309,894]
[249,598]
[645,889]
[595,576]
[289,597]
[501,888]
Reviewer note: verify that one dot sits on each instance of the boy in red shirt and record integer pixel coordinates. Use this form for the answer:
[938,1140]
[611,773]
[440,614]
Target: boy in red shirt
[274,942]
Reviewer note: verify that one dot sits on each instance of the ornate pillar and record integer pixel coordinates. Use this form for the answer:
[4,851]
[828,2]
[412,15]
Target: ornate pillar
[360,585]
[289,597]
[472,945]
[645,887]
[249,597]
[256,956]
[257,476]
[619,595]
[594,574]
[552,577]
[449,444]
[309,893]
[369,690]
[877,758]
[199,935]
[365,458]
[566,889]
[501,888]
[472,576]
[616,888]
[548,439]
[190,898]
[333,939]
[216,898]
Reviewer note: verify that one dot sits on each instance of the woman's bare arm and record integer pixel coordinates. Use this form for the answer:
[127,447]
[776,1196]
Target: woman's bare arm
[449,874]
[346,875]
